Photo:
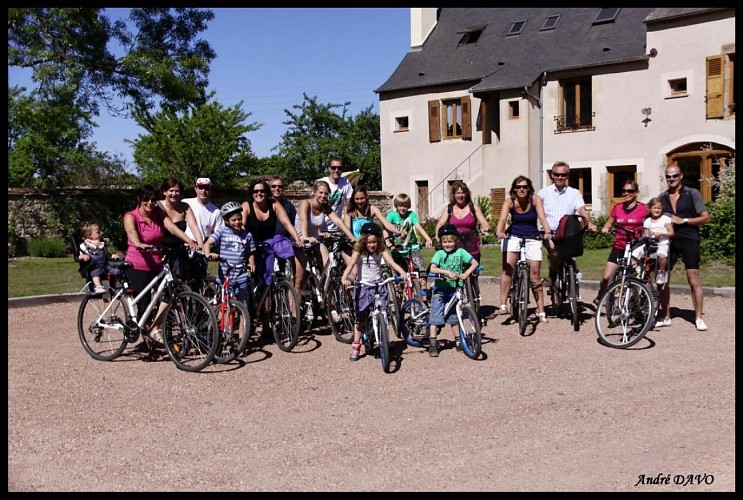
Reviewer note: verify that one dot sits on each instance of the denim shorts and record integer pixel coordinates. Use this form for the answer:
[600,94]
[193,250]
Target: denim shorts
[440,297]
[242,291]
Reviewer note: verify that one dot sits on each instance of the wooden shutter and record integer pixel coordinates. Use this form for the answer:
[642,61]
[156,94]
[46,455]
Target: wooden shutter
[497,197]
[715,107]
[466,118]
[434,124]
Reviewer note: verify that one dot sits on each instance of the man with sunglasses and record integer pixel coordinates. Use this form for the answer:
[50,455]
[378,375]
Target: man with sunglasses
[560,199]
[208,215]
[687,210]
[341,190]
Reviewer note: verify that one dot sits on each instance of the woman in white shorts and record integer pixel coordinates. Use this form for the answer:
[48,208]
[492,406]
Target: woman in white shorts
[524,210]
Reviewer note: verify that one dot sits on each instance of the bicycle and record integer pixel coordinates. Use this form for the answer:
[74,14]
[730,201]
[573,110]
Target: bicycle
[107,322]
[626,309]
[279,306]
[519,292]
[566,288]
[408,289]
[232,314]
[313,298]
[338,304]
[415,326]
[375,333]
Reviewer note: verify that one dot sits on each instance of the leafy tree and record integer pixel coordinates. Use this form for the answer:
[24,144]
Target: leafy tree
[71,52]
[204,141]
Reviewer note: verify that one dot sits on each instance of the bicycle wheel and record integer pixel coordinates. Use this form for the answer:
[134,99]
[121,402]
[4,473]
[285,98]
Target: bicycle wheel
[559,295]
[522,296]
[393,308]
[513,296]
[210,289]
[384,342]
[470,336]
[234,330]
[625,313]
[102,335]
[573,298]
[339,300]
[414,322]
[285,314]
[471,293]
[190,331]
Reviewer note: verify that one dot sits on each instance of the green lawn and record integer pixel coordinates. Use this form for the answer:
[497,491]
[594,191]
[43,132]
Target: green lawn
[38,276]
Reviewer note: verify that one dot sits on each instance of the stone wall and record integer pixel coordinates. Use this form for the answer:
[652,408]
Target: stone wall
[57,213]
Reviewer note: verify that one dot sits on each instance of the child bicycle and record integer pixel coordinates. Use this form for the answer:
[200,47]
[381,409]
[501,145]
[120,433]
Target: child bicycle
[375,333]
[626,309]
[232,315]
[107,322]
[414,320]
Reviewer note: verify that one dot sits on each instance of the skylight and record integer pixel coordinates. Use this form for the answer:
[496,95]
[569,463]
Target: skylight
[606,16]
[516,28]
[550,22]
[470,37]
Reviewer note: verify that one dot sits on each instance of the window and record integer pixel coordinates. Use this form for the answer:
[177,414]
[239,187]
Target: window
[470,37]
[488,119]
[516,28]
[715,107]
[606,16]
[730,87]
[449,119]
[615,181]
[580,179]
[401,124]
[576,112]
[550,23]
[513,110]
[677,87]
[700,162]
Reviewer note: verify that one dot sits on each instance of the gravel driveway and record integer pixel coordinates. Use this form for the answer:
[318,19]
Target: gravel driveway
[551,411]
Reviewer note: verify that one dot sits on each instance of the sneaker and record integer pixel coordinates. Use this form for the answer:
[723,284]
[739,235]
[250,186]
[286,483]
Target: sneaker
[701,325]
[355,351]
[661,279]
[666,322]
[433,348]
[457,344]
[543,317]
[335,316]
[503,309]
[99,289]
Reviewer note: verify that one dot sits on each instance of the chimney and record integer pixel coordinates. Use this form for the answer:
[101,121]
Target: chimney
[422,22]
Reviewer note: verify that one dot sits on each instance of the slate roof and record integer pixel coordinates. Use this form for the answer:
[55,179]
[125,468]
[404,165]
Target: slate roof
[497,61]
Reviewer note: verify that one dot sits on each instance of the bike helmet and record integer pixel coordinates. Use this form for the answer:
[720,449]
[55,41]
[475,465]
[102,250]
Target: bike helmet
[371,228]
[448,229]
[230,208]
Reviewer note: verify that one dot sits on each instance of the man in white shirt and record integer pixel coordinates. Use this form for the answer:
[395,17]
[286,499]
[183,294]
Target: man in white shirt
[341,189]
[207,214]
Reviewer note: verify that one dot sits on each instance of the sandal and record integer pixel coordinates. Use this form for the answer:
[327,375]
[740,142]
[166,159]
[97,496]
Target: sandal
[503,309]
[156,336]
[543,317]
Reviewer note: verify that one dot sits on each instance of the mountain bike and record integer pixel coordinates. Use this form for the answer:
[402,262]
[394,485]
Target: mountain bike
[405,289]
[276,305]
[566,288]
[313,298]
[107,322]
[338,303]
[415,326]
[627,308]
[232,315]
[375,329]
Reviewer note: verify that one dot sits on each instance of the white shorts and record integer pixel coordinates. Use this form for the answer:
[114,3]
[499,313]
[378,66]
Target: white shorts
[533,247]
[639,252]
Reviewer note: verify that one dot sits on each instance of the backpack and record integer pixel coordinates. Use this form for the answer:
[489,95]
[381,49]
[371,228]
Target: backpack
[569,236]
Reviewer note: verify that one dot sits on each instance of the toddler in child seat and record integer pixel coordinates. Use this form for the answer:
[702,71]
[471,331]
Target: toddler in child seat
[659,226]
[93,249]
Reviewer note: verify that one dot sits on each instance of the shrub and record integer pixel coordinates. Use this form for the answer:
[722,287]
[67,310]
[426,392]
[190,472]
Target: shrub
[597,240]
[429,225]
[717,238]
[47,247]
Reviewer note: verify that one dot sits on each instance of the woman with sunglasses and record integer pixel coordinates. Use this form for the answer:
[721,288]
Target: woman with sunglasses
[261,213]
[630,214]
[524,209]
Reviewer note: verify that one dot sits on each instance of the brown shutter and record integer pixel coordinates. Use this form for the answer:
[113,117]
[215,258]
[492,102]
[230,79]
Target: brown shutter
[434,126]
[466,118]
[714,87]
[497,197]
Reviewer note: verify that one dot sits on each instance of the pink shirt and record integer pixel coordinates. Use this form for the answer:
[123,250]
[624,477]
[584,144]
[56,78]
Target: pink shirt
[151,234]
[631,220]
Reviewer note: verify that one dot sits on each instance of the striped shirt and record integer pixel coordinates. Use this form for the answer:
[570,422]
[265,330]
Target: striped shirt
[558,203]
[235,248]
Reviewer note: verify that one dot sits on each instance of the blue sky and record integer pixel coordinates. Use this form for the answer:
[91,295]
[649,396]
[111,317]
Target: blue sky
[268,57]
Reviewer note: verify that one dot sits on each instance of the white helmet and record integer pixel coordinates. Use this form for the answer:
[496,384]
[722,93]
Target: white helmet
[230,208]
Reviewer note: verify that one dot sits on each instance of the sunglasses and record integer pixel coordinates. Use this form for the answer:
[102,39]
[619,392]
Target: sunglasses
[259,191]
[278,186]
[630,191]
[333,167]
[150,200]
[672,176]
[559,175]
[521,186]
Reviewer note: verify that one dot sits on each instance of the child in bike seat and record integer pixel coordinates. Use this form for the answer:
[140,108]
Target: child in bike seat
[659,226]
[366,260]
[93,250]
[455,263]
[236,245]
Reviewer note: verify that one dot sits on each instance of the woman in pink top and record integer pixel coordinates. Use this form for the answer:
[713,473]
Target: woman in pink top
[630,214]
[145,227]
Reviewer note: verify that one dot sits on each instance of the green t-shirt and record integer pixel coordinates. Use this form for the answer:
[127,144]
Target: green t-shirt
[456,262]
[406,224]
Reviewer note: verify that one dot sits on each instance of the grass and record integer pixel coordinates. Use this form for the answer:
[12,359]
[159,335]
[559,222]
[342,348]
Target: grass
[41,276]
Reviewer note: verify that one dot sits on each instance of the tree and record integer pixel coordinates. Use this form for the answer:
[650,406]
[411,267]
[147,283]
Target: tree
[204,141]
[317,132]
[71,52]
